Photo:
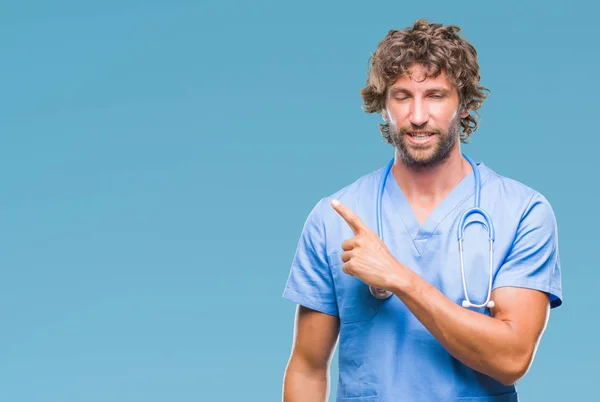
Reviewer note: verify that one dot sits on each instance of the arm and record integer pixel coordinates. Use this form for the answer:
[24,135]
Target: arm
[501,346]
[306,375]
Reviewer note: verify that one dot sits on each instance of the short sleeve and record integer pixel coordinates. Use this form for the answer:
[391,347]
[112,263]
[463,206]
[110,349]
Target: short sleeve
[310,282]
[533,260]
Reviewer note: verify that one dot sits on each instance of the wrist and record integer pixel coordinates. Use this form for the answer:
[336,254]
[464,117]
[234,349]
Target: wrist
[403,281]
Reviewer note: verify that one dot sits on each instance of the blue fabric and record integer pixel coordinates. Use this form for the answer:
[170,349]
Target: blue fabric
[385,353]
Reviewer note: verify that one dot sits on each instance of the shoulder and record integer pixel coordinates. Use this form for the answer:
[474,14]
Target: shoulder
[512,194]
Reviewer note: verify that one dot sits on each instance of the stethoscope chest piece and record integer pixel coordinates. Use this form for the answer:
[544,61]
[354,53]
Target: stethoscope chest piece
[380,293]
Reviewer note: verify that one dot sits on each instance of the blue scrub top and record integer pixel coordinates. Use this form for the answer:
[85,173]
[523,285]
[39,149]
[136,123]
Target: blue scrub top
[385,353]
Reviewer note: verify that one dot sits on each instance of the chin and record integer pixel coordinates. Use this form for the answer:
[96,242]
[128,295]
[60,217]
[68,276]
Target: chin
[422,158]
[422,154]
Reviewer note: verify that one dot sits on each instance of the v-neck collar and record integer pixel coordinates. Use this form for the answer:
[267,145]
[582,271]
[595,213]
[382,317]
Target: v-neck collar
[398,203]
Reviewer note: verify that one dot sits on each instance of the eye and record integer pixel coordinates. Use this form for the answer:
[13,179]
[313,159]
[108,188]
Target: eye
[437,96]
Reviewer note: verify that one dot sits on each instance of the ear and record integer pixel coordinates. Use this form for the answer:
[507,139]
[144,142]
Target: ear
[464,113]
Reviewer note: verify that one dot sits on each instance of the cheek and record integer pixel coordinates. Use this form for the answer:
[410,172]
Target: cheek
[442,111]
[443,115]
[388,116]
[396,114]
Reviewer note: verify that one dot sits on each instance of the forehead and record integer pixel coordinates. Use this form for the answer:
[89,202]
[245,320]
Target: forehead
[416,79]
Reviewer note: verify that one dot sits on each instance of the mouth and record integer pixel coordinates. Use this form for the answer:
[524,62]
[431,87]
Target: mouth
[420,138]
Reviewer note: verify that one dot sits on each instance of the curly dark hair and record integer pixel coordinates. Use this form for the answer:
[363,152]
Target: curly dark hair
[437,48]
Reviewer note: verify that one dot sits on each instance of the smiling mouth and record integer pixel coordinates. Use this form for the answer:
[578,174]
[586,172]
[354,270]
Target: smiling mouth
[420,139]
[418,135]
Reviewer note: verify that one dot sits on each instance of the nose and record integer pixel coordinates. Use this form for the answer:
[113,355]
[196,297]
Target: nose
[419,115]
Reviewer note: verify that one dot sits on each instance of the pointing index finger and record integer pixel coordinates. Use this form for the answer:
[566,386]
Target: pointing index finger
[350,217]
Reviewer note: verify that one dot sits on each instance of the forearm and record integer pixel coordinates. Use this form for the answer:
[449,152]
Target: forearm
[488,345]
[304,384]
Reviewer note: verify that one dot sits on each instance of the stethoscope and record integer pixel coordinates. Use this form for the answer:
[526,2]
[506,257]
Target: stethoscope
[384,294]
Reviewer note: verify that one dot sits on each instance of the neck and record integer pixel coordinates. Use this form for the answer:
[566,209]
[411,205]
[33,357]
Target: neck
[430,185]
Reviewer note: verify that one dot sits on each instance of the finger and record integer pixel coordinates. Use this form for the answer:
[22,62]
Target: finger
[347,268]
[347,256]
[350,217]
[349,244]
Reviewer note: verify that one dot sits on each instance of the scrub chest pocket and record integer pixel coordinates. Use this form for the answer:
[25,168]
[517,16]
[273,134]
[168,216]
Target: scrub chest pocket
[355,301]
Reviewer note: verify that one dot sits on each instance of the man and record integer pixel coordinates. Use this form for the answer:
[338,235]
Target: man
[423,343]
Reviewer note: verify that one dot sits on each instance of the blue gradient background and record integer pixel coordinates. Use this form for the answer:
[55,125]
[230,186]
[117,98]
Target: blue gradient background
[159,159]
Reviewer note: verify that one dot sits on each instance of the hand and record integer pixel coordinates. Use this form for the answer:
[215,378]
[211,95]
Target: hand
[365,255]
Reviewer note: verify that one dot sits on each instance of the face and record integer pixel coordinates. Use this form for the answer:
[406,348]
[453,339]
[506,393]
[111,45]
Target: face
[423,117]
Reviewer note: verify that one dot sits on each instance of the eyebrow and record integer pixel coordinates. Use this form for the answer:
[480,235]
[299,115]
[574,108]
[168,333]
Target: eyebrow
[399,90]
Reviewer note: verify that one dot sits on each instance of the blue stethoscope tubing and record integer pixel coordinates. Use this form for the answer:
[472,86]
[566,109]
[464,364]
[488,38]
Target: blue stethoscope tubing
[475,210]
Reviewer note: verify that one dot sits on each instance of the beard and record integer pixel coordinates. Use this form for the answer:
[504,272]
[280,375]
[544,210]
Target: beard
[427,155]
